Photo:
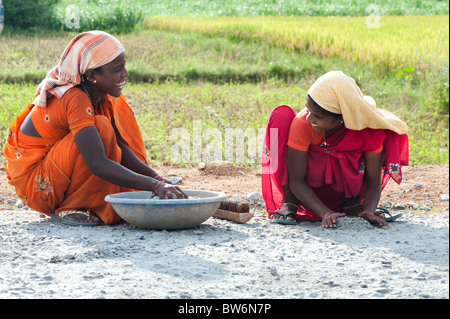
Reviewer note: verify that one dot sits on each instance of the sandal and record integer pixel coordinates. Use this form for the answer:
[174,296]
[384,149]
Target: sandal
[60,218]
[387,215]
[283,220]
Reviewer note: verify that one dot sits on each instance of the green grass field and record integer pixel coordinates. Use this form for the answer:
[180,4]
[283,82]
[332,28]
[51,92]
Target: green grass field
[391,44]
[229,73]
[151,8]
[222,98]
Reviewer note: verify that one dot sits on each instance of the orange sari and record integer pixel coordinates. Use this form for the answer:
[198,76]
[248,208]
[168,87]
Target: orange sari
[48,172]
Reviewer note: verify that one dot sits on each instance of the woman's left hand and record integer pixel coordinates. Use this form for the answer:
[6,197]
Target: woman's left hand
[374,219]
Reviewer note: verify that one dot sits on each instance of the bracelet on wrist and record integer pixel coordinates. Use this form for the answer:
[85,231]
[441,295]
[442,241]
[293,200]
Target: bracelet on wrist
[158,185]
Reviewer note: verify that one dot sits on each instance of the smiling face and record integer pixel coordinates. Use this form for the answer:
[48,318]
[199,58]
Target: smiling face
[111,79]
[320,120]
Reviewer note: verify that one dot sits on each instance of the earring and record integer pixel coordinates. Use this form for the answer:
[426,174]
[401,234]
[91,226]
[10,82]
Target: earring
[93,80]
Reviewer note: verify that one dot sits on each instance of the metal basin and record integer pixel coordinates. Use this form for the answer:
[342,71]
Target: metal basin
[140,210]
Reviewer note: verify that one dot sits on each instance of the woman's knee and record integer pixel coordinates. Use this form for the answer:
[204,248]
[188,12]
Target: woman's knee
[105,128]
[103,124]
[281,116]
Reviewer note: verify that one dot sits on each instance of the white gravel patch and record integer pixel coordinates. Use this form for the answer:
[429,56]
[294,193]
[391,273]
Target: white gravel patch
[221,259]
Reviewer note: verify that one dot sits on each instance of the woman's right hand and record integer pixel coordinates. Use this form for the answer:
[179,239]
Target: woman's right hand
[329,220]
[165,190]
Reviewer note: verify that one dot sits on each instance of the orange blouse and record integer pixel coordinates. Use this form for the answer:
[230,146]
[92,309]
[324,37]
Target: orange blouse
[64,115]
[302,135]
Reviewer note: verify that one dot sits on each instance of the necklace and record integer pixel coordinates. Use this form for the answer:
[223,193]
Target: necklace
[87,92]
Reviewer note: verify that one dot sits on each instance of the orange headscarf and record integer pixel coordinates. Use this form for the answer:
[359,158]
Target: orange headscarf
[88,50]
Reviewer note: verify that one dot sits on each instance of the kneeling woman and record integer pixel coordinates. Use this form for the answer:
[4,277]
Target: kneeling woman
[334,157]
[79,141]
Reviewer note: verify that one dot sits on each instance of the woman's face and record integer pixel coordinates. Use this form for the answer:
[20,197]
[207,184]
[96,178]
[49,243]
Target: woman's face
[112,78]
[320,122]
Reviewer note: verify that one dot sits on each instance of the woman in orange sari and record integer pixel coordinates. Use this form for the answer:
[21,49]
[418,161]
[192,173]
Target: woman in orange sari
[79,141]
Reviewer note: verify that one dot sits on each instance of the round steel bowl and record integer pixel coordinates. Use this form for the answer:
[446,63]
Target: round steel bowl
[141,210]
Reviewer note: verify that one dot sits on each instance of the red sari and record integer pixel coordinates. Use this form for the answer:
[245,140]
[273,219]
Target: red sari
[335,166]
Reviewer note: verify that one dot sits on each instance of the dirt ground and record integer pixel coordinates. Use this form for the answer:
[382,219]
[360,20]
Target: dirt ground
[422,191]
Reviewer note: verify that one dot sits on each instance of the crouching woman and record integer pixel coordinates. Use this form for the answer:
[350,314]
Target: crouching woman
[79,141]
[333,158]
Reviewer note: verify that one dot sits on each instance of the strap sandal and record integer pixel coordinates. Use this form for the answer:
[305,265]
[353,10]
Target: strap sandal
[386,215]
[60,218]
[283,220]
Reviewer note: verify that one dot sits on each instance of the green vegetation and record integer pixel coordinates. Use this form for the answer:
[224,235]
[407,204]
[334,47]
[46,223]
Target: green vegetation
[291,7]
[390,44]
[176,79]
[123,16]
[155,56]
[117,16]
[42,16]
[230,72]
[411,49]
[31,15]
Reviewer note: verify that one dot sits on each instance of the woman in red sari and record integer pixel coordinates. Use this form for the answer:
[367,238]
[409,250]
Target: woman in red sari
[333,158]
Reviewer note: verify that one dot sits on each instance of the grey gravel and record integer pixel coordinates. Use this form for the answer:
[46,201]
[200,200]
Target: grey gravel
[221,259]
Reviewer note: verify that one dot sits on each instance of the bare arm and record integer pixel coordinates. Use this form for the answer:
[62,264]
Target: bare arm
[372,188]
[372,181]
[90,145]
[297,165]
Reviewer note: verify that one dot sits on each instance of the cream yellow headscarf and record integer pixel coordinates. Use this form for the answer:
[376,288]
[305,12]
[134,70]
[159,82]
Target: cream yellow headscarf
[339,93]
